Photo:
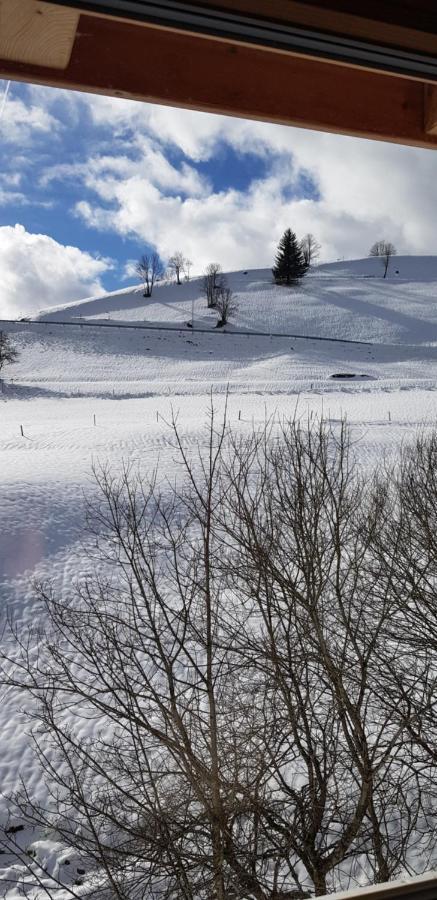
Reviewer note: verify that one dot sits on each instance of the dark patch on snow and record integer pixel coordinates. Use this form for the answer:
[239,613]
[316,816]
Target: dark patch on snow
[352,375]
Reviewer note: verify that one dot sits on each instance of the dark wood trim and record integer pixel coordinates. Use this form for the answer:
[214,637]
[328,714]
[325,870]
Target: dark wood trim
[421,15]
[346,16]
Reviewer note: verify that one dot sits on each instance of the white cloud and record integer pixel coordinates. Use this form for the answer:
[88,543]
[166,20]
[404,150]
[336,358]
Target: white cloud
[18,198]
[148,164]
[194,133]
[38,272]
[365,190]
[8,197]
[364,193]
[21,122]
[11,179]
[130,270]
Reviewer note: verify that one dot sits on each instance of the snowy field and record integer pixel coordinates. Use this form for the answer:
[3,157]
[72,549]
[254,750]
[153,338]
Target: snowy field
[83,394]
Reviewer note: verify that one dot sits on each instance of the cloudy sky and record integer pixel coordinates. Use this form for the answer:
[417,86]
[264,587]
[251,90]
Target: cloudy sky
[88,183]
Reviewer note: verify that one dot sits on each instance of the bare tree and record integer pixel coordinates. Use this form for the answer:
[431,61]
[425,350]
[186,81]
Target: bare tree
[150,270]
[154,798]
[8,353]
[212,282]
[406,542]
[176,264]
[236,646]
[385,250]
[310,248]
[324,653]
[225,304]
[187,268]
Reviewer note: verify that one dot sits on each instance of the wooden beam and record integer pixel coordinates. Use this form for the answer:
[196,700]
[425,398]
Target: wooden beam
[421,887]
[431,110]
[160,66]
[383,23]
[37,33]
[386,23]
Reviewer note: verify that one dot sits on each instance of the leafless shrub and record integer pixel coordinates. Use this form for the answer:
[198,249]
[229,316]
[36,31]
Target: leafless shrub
[226,305]
[213,282]
[238,648]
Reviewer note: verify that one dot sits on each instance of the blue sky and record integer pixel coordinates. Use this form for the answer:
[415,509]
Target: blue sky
[87,183]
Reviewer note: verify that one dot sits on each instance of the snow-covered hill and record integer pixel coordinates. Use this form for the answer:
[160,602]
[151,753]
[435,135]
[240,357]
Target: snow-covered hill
[346,300]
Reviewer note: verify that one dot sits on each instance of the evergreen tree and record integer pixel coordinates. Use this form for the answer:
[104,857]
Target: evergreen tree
[290,263]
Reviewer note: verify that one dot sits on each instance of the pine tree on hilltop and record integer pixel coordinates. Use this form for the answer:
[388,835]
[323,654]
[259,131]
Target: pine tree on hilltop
[290,263]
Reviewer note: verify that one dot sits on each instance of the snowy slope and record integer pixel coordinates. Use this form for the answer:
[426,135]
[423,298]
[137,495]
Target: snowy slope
[347,300]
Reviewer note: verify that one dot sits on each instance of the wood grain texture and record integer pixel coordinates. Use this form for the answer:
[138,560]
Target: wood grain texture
[431,110]
[160,66]
[38,33]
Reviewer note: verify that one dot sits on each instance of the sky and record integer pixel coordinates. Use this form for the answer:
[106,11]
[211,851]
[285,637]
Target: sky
[88,183]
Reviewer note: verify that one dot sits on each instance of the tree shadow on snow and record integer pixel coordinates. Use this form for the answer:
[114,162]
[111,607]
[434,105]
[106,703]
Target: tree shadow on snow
[415,329]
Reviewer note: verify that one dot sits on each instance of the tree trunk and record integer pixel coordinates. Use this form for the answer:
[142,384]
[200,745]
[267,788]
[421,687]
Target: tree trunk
[319,879]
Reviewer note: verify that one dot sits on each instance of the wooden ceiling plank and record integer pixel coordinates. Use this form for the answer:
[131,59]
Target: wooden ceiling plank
[37,33]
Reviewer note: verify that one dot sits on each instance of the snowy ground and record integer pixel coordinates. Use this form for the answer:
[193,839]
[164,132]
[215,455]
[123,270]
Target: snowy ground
[84,394]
